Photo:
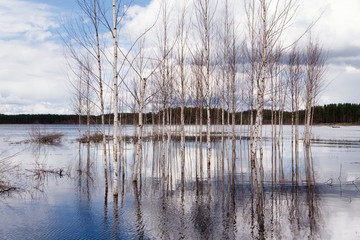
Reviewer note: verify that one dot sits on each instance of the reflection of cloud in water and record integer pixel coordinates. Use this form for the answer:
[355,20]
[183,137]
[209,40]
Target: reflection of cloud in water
[228,213]
[300,205]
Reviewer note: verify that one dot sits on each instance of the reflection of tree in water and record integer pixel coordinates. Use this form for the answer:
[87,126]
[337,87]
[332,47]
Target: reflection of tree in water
[312,195]
[230,209]
[43,172]
[227,208]
[85,171]
[200,214]
[287,205]
[293,204]
[9,174]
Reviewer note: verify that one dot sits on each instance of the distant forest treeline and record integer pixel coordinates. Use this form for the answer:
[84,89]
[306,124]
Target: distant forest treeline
[331,113]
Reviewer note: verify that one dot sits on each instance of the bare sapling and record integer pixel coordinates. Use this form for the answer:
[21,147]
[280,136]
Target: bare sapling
[314,82]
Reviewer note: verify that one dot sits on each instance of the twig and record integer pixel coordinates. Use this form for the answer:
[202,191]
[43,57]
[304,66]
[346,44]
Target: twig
[60,172]
[6,188]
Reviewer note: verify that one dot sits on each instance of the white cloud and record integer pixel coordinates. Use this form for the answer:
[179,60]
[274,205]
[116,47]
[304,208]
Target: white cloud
[33,70]
[32,73]
[342,85]
[19,17]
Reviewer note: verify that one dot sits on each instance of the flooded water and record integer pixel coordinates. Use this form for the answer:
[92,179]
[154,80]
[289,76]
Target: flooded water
[60,189]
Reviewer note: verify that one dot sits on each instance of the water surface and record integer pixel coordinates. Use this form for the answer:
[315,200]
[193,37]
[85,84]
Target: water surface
[317,198]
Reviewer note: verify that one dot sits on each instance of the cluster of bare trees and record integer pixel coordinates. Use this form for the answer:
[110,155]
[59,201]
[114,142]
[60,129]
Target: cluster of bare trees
[199,59]
[280,77]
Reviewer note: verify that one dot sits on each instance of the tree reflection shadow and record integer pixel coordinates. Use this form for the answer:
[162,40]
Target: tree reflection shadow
[85,179]
[230,208]
[226,206]
[139,219]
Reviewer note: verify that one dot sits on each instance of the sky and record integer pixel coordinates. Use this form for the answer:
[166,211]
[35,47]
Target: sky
[34,76]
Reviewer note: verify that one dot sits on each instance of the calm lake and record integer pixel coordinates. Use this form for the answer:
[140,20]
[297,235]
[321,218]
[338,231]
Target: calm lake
[312,194]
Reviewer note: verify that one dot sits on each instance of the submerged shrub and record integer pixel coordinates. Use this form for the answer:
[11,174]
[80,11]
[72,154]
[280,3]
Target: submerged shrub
[95,138]
[49,138]
[8,171]
[39,136]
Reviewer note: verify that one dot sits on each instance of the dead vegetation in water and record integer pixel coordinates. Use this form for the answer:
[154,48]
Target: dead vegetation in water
[41,169]
[5,188]
[53,138]
[7,171]
[14,179]
[94,138]
[38,172]
[37,135]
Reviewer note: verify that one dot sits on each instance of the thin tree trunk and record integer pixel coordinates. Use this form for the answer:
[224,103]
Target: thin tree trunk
[121,148]
[116,97]
[201,137]
[101,92]
[88,109]
[139,142]
[182,96]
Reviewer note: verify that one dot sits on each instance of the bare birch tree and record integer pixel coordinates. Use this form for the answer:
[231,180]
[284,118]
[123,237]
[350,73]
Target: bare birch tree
[116,100]
[294,75]
[225,79]
[143,73]
[84,39]
[314,82]
[182,39]
[267,20]
[165,83]
[77,86]
[205,15]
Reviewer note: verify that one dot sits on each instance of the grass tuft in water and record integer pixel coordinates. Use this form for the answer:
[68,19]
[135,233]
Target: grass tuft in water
[37,135]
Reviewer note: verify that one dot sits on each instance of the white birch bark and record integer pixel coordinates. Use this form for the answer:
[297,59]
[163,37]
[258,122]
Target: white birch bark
[182,42]
[115,102]
[98,57]
[139,141]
